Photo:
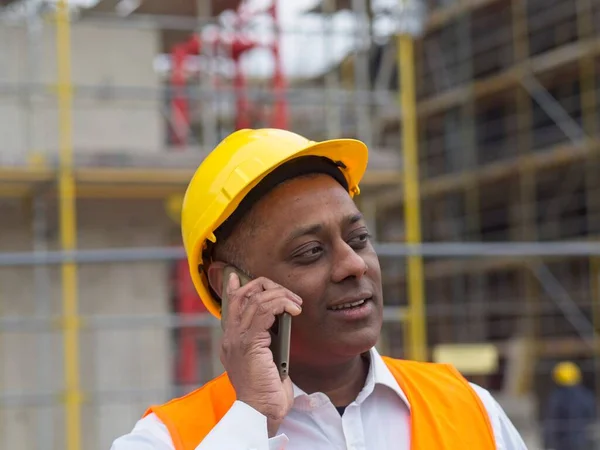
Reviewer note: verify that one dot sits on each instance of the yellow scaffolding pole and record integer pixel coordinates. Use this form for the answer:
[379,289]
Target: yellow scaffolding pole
[68,232]
[417,340]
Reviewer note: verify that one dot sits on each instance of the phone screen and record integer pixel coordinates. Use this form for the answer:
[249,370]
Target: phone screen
[280,332]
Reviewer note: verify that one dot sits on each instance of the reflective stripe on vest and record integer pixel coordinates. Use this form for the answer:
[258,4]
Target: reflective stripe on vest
[446,413]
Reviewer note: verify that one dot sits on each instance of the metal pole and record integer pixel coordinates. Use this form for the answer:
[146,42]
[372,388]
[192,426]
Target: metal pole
[34,40]
[68,229]
[583,327]
[41,278]
[280,116]
[207,49]
[361,71]
[467,161]
[43,308]
[106,322]
[487,249]
[554,109]
[300,96]
[525,211]
[417,346]
[333,109]
[383,249]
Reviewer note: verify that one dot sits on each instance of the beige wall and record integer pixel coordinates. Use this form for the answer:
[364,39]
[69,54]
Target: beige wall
[100,57]
[135,358]
[111,360]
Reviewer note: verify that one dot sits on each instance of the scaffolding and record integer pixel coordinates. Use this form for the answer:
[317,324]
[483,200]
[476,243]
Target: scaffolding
[482,188]
[508,133]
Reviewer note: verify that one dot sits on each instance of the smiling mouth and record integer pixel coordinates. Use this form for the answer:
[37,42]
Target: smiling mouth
[351,305]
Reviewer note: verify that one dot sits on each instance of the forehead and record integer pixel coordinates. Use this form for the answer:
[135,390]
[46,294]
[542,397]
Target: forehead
[309,199]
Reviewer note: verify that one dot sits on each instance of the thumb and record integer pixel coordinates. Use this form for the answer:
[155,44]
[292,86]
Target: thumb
[233,283]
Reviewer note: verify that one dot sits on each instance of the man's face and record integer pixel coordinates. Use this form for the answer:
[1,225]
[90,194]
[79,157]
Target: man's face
[314,242]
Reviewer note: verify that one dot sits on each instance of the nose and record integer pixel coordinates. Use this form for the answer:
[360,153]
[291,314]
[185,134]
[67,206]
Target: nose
[347,263]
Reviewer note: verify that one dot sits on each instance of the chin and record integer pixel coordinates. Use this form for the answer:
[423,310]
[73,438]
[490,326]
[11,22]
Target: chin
[357,343]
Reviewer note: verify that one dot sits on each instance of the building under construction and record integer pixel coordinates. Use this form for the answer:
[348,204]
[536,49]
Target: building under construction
[107,108]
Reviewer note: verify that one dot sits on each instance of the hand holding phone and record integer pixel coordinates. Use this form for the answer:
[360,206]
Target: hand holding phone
[255,346]
[280,331]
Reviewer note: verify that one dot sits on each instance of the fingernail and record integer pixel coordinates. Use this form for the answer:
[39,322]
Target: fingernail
[299,308]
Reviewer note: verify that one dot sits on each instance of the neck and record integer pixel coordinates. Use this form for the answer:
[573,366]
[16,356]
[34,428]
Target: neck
[341,383]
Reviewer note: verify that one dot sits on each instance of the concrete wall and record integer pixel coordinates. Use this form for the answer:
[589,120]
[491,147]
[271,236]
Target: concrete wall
[112,360]
[100,57]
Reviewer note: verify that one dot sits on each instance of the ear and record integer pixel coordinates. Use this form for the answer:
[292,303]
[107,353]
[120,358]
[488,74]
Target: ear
[215,276]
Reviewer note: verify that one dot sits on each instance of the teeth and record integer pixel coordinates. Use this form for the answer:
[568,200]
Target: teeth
[348,305]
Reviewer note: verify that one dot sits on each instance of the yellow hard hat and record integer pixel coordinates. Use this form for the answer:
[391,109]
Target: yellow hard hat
[566,374]
[233,169]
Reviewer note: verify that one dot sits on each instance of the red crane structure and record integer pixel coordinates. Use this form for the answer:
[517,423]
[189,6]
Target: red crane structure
[236,46]
[188,361]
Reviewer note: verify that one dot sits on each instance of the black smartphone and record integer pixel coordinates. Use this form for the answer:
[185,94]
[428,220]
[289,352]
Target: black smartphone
[280,332]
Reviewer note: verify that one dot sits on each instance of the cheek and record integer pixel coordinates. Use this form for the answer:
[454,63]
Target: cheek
[310,287]
[307,282]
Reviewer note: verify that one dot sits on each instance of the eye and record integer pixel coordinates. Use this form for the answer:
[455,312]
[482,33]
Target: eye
[360,241]
[308,253]
[312,251]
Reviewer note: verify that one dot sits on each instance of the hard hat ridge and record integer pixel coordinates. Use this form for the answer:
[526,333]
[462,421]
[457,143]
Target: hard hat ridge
[304,165]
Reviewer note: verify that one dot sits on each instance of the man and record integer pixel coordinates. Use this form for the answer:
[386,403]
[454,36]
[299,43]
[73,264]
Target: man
[570,412]
[279,207]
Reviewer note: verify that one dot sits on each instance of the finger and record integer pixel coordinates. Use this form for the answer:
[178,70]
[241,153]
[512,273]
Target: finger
[262,323]
[261,302]
[237,294]
[233,283]
[247,290]
[268,285]
[265,296]
[245,295]
[267,315]
[257,285]
[260,317]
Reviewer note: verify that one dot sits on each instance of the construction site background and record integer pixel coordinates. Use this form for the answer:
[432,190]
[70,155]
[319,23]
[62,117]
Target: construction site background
[491,159]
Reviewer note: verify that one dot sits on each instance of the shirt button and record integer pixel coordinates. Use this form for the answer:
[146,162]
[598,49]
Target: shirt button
[312,403]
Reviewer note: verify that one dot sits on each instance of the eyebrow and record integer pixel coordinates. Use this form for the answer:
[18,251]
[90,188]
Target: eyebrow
[316,228]
[353,218]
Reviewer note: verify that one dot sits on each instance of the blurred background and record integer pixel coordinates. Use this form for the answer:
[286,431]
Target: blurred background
[483,122]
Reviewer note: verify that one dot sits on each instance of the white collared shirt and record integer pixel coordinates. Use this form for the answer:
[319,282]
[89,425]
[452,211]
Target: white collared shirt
[377,420]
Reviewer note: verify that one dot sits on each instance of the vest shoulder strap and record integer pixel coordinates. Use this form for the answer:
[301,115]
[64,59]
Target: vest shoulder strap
[190,418]
[446,412]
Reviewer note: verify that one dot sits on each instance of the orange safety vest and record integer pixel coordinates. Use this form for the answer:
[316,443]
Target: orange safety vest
[446,413]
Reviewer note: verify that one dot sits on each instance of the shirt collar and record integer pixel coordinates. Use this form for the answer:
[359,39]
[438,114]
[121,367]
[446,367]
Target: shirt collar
[378,375]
